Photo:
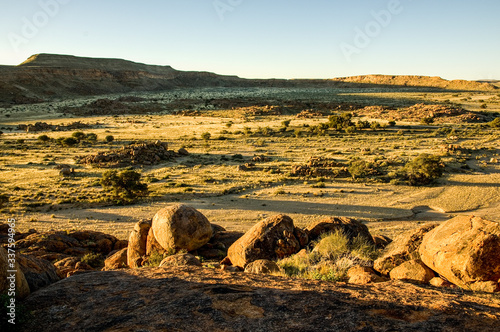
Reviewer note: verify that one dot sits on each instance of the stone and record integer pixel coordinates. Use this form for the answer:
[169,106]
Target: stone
[183,152]
[485,286]
[116,261]
[137,243]
[413,271]
[402,249]
[464,250]
[269,239]
[181,227]
[22,289]
[301,236]
[152,246]
[38,272]
[439,282]
[262,266]
[350,227]
[180,260]
[363,275]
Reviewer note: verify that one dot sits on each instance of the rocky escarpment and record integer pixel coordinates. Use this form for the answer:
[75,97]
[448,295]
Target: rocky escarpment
[48,76]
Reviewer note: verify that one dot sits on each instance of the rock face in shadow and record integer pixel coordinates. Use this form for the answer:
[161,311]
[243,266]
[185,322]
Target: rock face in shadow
[464,250]
[38,272]
[197,299]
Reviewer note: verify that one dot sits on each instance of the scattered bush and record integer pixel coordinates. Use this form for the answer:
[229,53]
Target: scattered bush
[78,135]
[43,138]
[94,260]
[109,138]
[495,123]
[125,185]
[91,137]
[205,136]
[360,169]
[424,169]
[69,141]
[340,122]
[331,258]
[427,120]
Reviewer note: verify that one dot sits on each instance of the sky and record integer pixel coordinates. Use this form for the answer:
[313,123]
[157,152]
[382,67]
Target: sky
[453,39]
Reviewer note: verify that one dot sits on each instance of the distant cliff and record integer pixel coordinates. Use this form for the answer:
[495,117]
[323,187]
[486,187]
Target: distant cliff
[50,76]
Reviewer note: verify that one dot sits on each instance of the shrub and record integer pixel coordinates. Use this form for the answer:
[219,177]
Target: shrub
[484,106]
[360,169]
[91,137]
[78,135]
[331,258]
[340,122]
[109,138]
[205,136]
[94,260]
[285,123]
[375,125]
[391,123]
[495,123]
[69,141]
[43,138]
[424,169]
[427,121]
[126,184]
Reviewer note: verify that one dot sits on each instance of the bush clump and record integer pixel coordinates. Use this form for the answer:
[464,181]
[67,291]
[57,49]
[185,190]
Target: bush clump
[423,170]
[125,184]
[330,259]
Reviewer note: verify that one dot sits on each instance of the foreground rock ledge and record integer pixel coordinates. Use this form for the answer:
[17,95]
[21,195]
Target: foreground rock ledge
[201,299]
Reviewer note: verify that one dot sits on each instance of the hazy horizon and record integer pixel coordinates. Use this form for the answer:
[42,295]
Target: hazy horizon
[255,39]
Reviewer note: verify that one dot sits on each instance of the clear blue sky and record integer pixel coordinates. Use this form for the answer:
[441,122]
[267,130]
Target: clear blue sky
[265,38]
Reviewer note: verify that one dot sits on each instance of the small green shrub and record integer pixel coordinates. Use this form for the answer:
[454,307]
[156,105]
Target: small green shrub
[360,169]
[495,123]
[43,138]
[427,120]
[78,135]
[424,169]
[94,260]
[109,138]
[205,136]
[69,141]
[125,184]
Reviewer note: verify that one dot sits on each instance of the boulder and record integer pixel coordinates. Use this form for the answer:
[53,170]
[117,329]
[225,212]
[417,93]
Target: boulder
[271,239]
[350,227]
[117,261]
[485,286]
[301,236]
[181,227]
[464,250]
[38,272]
[152,246]
[381,241]
[439,282]
[262,266]
[180,260]
[413,271]
[137,243]
[402,249]
[22,289]
[363,275]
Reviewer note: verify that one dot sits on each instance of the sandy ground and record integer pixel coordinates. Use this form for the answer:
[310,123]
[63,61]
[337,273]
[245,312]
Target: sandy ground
[386,209]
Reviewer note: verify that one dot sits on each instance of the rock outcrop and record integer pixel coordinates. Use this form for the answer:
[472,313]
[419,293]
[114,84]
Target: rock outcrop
[12,280]
[464,250]
[413,271]
[196,299]
[270,239]
[137,243]
[118,260]
[403,248]
[38,272]
[180,260]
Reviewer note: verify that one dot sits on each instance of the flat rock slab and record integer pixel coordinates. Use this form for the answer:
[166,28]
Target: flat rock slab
[202,299]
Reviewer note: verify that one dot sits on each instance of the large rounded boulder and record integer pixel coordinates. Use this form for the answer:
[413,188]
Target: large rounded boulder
[181,227]
[270,239]
[464,250]
[137,243]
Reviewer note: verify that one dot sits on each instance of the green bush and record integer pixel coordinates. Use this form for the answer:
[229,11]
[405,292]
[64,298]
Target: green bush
[91,137]
[109,138]
[427,121]
[340,122]
[495,123]
[43,138]
[78,135]
[94,260]
[360,169]
[125,184]
[424,169]
[205,136]
[69,141]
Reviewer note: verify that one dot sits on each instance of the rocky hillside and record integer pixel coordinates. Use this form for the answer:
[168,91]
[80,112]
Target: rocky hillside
[419,81]
[48,76]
